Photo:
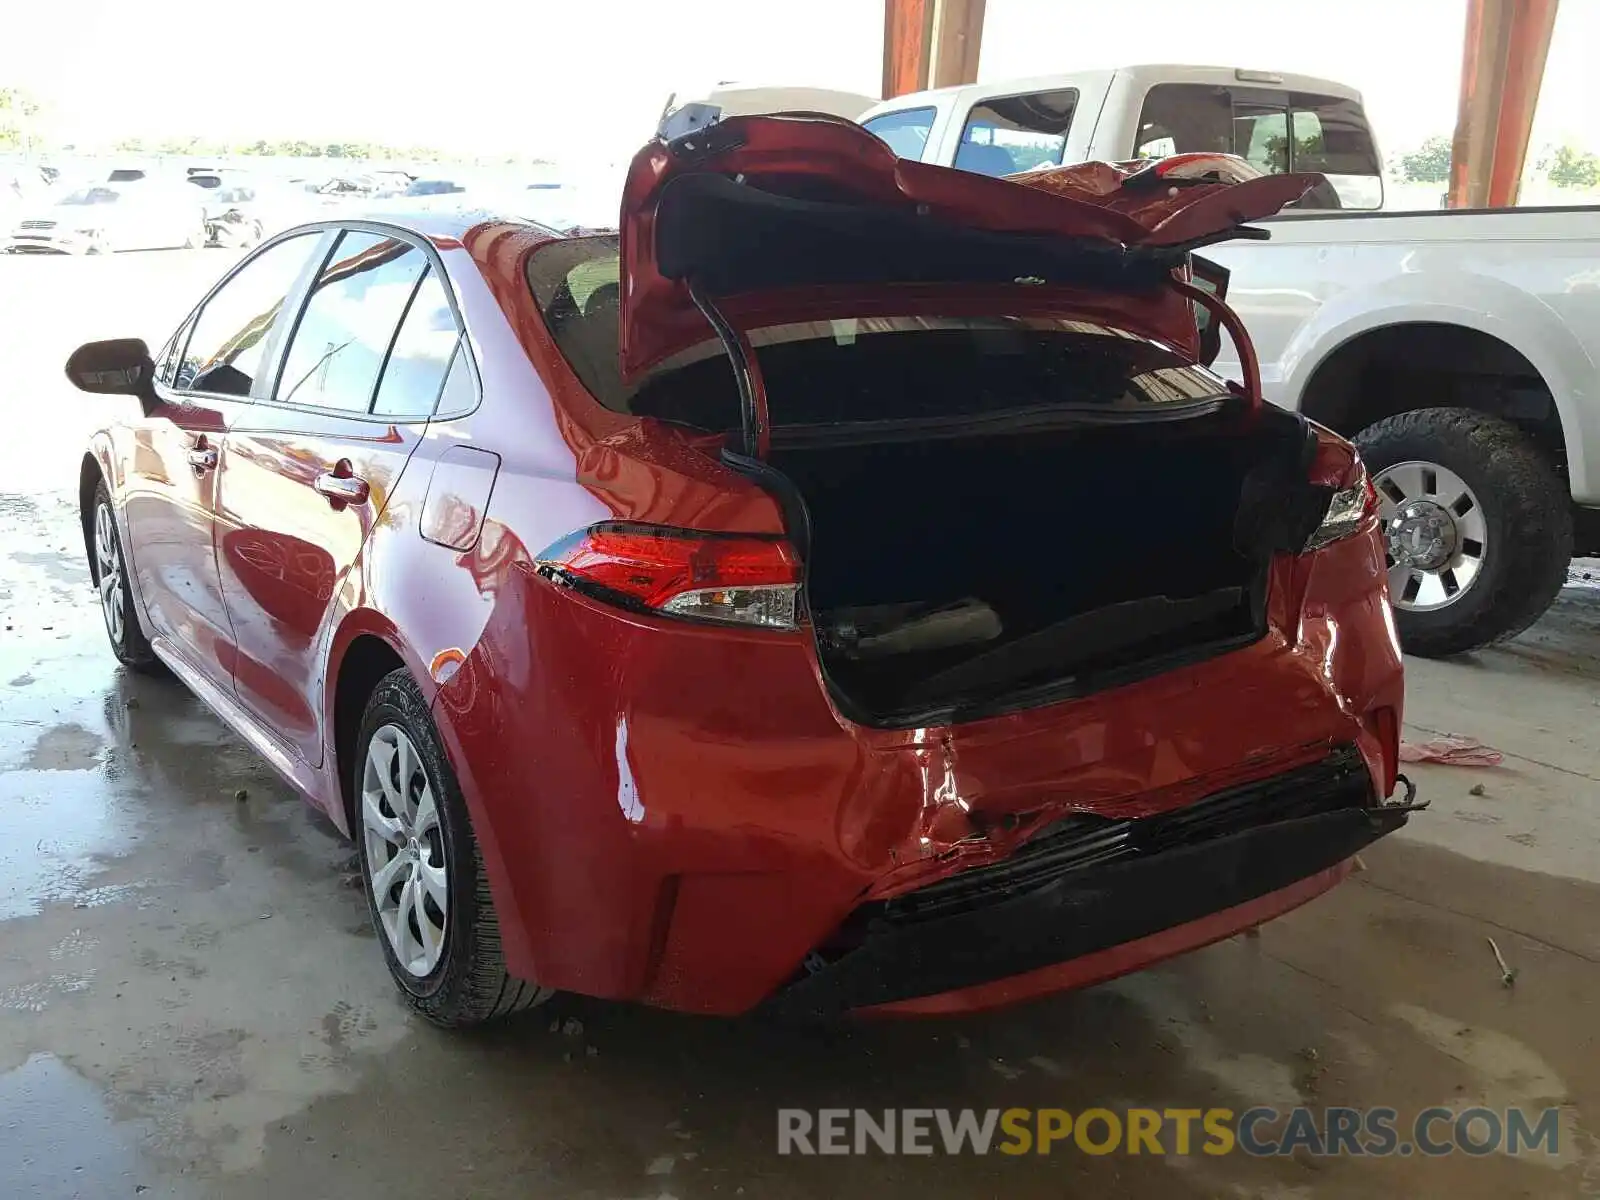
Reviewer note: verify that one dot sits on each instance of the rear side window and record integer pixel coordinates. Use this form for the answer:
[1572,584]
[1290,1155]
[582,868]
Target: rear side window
[577,282]
[231,331]
[423,349]
[349,321]
[906,131]
[1277,132]
[1007,135]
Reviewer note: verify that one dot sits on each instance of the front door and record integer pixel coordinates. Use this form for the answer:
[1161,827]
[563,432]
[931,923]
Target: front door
[204,382]
[306,476]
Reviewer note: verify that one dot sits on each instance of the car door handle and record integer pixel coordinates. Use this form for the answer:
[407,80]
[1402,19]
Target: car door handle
[342,489]
[202,459]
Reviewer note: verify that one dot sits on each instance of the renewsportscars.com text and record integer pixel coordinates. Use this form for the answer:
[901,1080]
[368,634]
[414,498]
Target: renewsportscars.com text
[1260,1131]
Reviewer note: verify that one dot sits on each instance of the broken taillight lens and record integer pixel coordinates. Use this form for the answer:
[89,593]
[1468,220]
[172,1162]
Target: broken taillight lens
[726,579]
[1348,510]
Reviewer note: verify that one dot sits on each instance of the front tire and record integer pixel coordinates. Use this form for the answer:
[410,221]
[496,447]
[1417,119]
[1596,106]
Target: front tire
[425,882]
[1478,527]
[108,568]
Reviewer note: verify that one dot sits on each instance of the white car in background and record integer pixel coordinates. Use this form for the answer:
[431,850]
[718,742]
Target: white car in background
[100,218]
[23,187]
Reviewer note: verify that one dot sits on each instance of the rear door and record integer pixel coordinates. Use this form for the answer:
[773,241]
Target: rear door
[306,473]
[209,374]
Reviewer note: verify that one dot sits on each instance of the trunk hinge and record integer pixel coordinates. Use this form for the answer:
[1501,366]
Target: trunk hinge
[1249,365]
[746,374]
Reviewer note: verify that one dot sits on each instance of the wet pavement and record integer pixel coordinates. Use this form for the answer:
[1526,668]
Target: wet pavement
[192,1005]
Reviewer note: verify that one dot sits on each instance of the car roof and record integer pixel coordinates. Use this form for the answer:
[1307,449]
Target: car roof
[437,225]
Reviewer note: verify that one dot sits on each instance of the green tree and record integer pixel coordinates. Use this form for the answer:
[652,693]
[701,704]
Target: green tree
[1571,167]
[17,113]
[1429,163]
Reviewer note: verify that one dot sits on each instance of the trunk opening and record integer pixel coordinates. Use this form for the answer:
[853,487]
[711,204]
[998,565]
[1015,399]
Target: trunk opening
[959,577]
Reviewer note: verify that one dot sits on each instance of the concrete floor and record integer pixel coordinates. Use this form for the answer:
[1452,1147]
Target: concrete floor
[191,1003]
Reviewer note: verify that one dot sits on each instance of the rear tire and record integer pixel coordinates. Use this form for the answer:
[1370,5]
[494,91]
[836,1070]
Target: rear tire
[1526,524]
[108,568]
[417,847]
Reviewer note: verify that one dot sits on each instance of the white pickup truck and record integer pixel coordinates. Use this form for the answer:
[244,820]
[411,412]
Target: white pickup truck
[1460,349]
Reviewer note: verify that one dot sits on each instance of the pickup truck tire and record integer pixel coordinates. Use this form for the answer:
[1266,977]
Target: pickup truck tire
[1523,522]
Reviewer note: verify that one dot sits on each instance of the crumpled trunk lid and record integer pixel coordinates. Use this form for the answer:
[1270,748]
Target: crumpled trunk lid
[798,216]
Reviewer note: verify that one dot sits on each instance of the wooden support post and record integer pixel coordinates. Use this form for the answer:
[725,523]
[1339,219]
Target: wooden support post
[1502,66]
[930,43]
[907,46]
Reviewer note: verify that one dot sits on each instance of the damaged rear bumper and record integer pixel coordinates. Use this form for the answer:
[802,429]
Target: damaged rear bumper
[1150,888]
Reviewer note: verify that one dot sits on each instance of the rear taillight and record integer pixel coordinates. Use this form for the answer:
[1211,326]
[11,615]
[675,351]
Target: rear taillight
[726,579]
[1348,510]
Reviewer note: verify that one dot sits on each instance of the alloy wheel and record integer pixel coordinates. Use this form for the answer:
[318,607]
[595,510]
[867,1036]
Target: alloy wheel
[406,866]
[1435,535]
[108,572]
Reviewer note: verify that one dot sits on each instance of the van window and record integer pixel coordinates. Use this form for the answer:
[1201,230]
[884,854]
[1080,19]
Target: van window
[906,131]
[1010,134]
[1275,131]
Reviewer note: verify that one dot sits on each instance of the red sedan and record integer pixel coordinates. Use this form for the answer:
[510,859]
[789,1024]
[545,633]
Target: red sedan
[847,589]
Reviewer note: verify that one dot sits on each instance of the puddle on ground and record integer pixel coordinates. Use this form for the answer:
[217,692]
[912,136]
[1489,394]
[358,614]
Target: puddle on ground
[59,1141]
[60,829]
[65,748]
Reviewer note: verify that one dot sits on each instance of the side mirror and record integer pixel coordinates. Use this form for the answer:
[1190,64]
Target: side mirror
[120,367]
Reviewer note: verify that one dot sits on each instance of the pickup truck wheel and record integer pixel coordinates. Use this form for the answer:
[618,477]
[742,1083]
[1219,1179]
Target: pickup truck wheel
[424,875]
[1477,527]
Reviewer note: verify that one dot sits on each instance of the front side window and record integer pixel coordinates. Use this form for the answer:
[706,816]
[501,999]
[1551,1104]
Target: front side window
[353,312]
[906,131]
[230,333]
[1277,132]
[1011,134]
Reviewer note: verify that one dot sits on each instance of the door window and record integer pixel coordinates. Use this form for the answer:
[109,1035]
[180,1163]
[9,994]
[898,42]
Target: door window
[414,374]
[1017,133]
[1261,137]
[906,131]
[230,333]
[355,307]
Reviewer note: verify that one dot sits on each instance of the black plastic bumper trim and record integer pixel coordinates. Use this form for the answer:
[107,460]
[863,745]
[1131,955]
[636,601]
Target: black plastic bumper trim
[1082,912]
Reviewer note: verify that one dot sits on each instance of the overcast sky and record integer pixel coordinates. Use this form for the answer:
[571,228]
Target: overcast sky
[589,76]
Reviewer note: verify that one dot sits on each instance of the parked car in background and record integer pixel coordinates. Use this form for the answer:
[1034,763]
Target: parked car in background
[1458,348]
[100,218]
[390,183]
[23,187]
[438,186]
[243,211]
[639,672]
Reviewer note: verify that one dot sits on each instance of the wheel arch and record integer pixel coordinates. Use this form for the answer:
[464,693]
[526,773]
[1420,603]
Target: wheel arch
[365,659]
[1523,364]
[367,646]
[90,473]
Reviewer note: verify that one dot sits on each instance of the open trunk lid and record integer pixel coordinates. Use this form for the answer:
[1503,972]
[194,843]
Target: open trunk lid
[769,219]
